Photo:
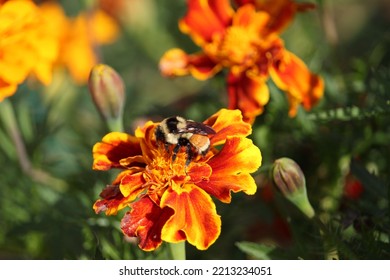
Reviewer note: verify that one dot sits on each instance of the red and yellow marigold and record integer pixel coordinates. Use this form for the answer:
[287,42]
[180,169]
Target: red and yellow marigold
[246,42]
[168,200]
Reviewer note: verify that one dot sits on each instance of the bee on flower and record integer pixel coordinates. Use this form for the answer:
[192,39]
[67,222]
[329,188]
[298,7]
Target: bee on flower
[168,181]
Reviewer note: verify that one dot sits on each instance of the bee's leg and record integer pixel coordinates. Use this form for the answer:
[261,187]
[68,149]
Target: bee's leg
[190,154]
[205,152]
[175,151]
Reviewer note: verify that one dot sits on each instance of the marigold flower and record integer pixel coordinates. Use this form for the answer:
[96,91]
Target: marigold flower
[85,32]
[170,201]
[78,37]
[245,41]
[26,46]
[34,39]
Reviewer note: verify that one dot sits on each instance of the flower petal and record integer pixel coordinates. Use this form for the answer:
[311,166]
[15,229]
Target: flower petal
[248,94]
[115,147]
[176,62]
[104,29]
[231,168]
[145,221]
[195,217]
[199,172]
[6,89]
[227,123]
[281,12]
[112,200]
[148,141]
[246,16]
[205,19]
[303,87]
[123,191]
[132,182]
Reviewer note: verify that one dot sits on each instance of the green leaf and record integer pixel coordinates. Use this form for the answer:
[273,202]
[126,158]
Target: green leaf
[257,251]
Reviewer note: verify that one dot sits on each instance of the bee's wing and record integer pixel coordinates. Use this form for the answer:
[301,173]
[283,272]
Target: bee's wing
[199,128]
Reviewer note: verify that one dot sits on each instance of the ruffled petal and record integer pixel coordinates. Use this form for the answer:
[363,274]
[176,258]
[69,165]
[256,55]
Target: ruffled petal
[145,221]
[303,87]
[227,123]
[112,200]
[148,141]
[250,95]
[199,172]
[132,183]
[115,147]
[247,17]
[281,12]
[205,19]
[231,169]
[195,217]
[176,62]
[126,187]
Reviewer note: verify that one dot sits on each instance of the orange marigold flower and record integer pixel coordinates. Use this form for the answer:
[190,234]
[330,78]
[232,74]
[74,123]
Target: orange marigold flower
[85,32]
[78,37]
[34,39]
[169,200]
[26,46]
[245,41]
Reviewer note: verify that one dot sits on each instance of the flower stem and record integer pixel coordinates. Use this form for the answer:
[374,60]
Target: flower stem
[178,250]
[330,248]
[7,113]
[115,124]
[300,199]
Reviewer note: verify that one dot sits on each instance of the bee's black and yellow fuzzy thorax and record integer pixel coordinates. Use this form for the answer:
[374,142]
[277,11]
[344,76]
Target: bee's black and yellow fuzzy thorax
[180,132]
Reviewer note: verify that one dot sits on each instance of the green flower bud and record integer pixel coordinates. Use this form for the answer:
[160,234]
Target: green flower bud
[290,181]
[108,93]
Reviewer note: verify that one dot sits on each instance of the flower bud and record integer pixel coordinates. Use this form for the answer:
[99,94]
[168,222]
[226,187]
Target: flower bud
[290,180]
[108,93]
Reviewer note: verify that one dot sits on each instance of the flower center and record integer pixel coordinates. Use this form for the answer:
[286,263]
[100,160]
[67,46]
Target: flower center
[237,49]
[162,170]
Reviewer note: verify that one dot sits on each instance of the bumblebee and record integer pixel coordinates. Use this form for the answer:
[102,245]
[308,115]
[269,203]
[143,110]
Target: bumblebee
[177,131]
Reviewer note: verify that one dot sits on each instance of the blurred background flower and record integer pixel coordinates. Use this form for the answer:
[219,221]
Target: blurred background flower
[245,41]
[26,46]
[37,38]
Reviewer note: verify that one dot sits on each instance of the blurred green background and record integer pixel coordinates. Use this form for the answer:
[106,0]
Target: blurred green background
[342,145]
